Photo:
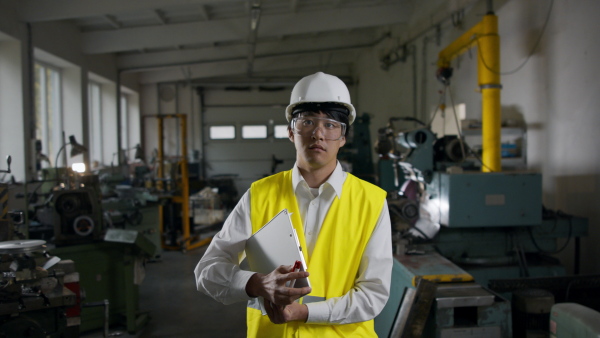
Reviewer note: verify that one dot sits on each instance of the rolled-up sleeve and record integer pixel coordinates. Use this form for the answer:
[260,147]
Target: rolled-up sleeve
[218,273]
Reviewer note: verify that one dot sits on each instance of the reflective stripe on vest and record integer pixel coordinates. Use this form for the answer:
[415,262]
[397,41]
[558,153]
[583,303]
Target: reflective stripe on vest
[335,260]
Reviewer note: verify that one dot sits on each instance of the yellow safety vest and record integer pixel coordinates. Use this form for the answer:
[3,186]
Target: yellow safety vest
[335,260]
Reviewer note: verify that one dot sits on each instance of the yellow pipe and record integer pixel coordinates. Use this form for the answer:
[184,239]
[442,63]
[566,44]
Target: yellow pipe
[485,36]
[458,46]
[489,82]
[161,162]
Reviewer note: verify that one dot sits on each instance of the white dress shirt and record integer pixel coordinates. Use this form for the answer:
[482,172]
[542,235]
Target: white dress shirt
[219,276]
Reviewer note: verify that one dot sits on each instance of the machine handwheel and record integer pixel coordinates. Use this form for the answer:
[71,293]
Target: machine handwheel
[83,225]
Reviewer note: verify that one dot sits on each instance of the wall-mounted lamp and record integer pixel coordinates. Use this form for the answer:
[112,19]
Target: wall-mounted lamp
[8,161]
[76,149]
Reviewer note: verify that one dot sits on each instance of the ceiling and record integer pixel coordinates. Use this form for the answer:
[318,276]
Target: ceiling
[227,40]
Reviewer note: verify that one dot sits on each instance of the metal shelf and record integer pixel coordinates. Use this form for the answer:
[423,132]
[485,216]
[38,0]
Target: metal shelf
[473,139]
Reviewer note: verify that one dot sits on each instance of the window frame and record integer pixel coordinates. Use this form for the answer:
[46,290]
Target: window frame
[48,115]
[266,128]
[285,137]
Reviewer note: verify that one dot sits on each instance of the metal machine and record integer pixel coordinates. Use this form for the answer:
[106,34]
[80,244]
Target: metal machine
[70,215]
[40,295]
[465,239]
[473,231]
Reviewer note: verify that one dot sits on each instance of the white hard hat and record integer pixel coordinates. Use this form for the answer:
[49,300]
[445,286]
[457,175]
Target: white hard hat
[320,87]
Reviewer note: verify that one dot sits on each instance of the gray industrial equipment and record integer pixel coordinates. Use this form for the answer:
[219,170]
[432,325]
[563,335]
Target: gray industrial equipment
[39,294]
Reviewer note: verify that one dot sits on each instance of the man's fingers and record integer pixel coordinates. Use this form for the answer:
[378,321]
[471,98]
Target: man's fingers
[268,308]
[296,275]
[299,292]
[284,269]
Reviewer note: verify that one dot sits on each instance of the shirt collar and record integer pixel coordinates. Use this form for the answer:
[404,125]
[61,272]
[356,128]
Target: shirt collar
[336,180]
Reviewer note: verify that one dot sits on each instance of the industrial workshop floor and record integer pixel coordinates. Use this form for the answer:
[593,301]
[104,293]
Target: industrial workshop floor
[176,308]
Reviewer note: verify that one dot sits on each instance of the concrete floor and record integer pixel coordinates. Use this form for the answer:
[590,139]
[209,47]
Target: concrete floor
[176,308]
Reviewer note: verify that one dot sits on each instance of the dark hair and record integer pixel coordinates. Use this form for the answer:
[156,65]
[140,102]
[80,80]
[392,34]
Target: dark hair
[333,111]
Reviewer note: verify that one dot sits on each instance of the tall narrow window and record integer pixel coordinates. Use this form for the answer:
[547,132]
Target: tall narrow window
[95,120]
[48,114]
[125,126]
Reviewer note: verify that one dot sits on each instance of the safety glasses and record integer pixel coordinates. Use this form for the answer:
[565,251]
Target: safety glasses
[331,130]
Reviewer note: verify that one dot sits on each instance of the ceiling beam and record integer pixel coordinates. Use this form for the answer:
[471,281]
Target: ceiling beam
[43,10]
[128,39]
[238,67]
[332,42]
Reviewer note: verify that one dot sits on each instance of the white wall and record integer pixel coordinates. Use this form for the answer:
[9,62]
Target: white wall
[184,101]
[11,107]
[556,93]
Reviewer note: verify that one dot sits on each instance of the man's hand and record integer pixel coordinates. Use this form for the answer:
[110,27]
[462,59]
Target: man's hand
[283,314]
[272,287]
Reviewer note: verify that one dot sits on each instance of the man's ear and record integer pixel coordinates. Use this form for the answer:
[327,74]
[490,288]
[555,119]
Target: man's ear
[291,134]
[342,141]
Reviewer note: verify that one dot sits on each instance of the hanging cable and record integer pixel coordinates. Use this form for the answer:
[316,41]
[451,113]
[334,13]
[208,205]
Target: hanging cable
[530,53]
[460,135]
[441,106]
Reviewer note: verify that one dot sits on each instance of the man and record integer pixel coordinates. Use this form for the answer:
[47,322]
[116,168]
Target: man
[342,223]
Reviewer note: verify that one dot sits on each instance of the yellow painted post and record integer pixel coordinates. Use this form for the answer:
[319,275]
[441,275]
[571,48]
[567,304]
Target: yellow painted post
[185,182]
[485,36]
[489,81]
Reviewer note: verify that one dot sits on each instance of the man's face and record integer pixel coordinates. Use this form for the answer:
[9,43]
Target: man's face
[313,150]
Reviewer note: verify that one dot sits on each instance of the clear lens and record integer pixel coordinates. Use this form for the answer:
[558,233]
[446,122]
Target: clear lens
[331,130]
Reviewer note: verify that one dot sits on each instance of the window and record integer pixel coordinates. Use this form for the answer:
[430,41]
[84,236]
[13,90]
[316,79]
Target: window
[281,131]
[125,123]
[222,132]
[95,122]
[254,132]
[48,116]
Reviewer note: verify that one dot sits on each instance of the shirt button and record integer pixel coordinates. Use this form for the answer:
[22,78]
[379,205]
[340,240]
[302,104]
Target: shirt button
[310,233]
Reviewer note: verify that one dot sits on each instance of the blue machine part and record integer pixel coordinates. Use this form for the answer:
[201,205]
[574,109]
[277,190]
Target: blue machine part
[477,199]
[385,320]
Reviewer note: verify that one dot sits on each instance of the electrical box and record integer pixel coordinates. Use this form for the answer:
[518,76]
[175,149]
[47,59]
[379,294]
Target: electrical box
[476,199]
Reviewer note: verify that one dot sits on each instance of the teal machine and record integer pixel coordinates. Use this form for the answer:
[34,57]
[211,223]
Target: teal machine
[477,236]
